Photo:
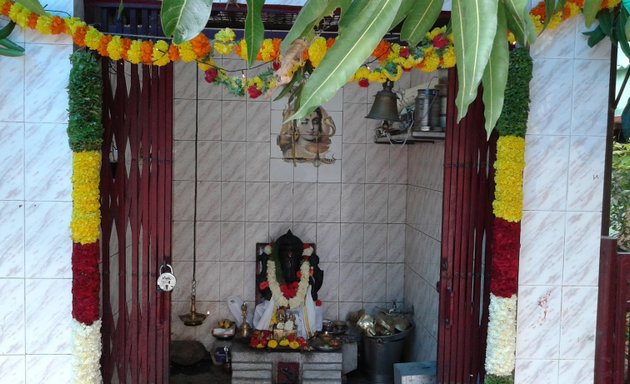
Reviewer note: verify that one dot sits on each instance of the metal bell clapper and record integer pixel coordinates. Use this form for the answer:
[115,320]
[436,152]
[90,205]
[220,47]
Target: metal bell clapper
[166,281]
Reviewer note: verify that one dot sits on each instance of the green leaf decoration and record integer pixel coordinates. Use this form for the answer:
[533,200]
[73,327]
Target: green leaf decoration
[119,11]
[11,46]
[560,5]
[10,52]
[254,29]
[352,12]
[85,130]
[496,74]
[605,19]
[591,7]
[341,4]
[403,11]
[474,27]
[6,30]
[420,20]
[595,36]
[519,22]
[309,15]
[513,119]
[33,6]
[626,4]
[354,45]
[550,8]
[624,24]
[184,19]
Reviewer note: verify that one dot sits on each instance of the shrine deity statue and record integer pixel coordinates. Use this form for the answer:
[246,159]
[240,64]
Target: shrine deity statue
[289,280]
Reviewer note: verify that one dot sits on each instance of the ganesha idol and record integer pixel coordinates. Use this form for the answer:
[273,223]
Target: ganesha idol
[288,280]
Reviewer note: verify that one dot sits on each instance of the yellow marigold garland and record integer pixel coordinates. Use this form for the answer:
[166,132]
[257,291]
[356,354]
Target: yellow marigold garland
[86,215]
[434,52]
[508,203]
[317,50]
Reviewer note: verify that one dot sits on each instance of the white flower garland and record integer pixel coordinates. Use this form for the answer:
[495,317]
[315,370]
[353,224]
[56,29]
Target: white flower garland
[501,346]
[297,300]
[87,352]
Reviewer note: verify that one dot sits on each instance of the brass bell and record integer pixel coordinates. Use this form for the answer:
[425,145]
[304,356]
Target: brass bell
[385,106]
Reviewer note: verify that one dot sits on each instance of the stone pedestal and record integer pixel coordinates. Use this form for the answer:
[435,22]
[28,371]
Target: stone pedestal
[260,366]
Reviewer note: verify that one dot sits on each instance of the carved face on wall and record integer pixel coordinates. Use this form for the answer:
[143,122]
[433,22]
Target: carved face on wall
[309,139]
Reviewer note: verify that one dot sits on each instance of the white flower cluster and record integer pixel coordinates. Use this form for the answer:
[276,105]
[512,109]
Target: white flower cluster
[501,346]
[87,352]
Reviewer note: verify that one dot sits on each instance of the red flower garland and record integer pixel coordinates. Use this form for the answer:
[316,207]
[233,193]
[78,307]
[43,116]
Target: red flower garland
[505,247]
[86,282]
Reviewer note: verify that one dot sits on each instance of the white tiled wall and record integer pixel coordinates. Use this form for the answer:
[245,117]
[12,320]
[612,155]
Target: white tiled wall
[423,242]
[562,208]
[353,209]
[35,207]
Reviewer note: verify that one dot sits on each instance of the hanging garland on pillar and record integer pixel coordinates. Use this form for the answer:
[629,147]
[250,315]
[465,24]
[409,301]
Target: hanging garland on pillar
[507,207]
[85,135]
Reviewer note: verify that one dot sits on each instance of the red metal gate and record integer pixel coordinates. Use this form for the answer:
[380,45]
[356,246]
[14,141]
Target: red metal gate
[466,221]
[136,221]
[613,309]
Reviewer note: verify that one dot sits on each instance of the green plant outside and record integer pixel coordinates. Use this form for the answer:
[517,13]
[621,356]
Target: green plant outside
[85,130]
[620,195]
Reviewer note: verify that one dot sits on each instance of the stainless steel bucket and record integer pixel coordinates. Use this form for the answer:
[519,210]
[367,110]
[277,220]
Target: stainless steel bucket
[381,353]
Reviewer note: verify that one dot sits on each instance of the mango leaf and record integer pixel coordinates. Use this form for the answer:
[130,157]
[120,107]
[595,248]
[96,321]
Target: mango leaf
[605,19]
[519,22]
[624,24]
[9,48]
[6,30]
[591,7]
[341,4]
[403,11]
[626,4]
[420,20]
[254,29]
[474,27]
[496,73]
[33,6]
[354,45]
[309,15]
[550,8]
[560,5]
[184,19]
[119,11]
[353,11]
[10,44]
[595,36]
[11,52]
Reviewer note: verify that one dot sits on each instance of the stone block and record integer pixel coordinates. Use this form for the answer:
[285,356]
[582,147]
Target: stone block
[321,367]
[321,375]
[422,372]
[259,375]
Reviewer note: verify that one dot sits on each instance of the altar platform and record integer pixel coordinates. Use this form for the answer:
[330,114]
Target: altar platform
[308,367]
